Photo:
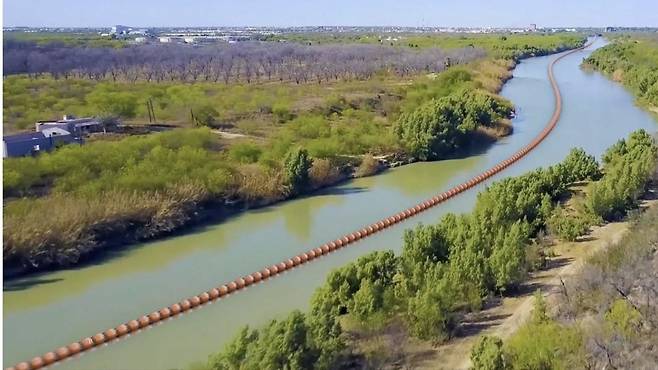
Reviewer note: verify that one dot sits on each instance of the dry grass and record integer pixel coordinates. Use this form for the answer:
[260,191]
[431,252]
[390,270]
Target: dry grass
[258,185]
[323,173]
[59,229]
[369,166]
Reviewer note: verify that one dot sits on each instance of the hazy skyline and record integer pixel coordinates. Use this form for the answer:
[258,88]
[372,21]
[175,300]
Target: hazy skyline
[467,13]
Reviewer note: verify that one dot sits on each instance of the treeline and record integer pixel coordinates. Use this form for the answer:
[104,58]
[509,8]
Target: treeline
[634,63]
[605,317]
[244,63]
[500,45]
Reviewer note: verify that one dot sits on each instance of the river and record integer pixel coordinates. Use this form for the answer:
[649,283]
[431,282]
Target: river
[43,312]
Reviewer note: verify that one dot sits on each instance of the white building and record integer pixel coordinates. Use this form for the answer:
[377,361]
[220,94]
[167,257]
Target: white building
[165,40]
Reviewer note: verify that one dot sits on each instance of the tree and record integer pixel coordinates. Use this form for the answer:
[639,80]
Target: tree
[487,354]
[206,115]
[507,261]
[296,166]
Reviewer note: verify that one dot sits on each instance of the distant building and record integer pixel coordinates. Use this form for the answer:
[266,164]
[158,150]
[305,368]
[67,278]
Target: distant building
[165,40]
[533,27]
[77,127]
[120,30]
[189,40]
[140,40]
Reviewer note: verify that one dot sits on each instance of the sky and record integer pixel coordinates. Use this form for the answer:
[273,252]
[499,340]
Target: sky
[449,13]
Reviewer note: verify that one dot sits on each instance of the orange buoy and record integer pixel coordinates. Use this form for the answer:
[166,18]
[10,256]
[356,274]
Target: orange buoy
[62,353]
[205,297]
[240,282]
[133,325]
[232,286]
[87,343]
[325,249]
[166,312]
[110,334]
[213,293]
[223,290]
[337,243]
[296,260]
[345,239]
[144,321]
[49,358]
[176,309]
[74,348]
[154,317]
[36,363]
[282,267]
[195,301]
[23,366]
[122,330]
[311,254]
[319,251]
[248,280]
[351,238]
[257,276]
[185,305]
[289,264]
[98,338]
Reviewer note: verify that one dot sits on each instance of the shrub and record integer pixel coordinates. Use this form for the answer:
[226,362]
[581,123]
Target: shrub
[245,153]
[487,354]
[296,166]
[281,113]
[567,227]
[323,173]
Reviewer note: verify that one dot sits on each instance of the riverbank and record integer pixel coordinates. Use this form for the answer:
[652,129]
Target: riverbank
[86,228]
[503,316]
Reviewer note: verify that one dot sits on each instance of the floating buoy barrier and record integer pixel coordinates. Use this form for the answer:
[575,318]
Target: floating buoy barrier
[176,309]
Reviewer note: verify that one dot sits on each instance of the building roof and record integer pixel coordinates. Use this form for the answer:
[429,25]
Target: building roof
[54,131]
[23,137]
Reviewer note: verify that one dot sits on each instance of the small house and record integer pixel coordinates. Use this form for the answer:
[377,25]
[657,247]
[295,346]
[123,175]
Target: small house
[25,144]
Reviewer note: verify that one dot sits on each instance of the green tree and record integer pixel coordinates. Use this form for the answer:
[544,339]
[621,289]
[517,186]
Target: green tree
[296,165]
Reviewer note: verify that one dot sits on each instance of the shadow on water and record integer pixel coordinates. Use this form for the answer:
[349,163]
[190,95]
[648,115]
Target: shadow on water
[25,283]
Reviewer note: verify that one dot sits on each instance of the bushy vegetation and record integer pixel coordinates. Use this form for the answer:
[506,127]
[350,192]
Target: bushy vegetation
[632,61]
[295,343]
[448,269]
[137,188]
[606,316]
[627,165]
[441,126]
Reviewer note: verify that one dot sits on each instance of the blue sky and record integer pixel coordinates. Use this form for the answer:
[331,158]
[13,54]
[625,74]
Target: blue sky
[471,13]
